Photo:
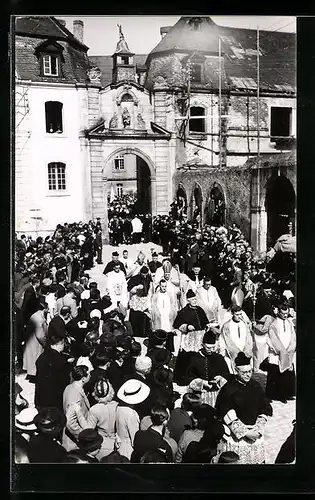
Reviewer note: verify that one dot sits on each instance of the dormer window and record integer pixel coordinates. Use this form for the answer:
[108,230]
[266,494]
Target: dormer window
[49,54]
[51,65]
[195,23]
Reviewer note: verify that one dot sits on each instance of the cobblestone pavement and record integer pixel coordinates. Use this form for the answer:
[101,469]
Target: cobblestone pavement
[279,426]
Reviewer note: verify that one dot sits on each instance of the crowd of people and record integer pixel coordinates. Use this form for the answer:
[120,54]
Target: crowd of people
[156,362]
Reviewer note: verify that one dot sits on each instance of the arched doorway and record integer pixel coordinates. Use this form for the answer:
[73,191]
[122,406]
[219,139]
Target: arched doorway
[280,208]
[128,190]
[215,207]
[196,206]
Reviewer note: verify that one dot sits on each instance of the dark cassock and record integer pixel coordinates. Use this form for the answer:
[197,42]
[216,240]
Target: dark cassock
[244,408]
[209,366]
[110,265]
[191,321]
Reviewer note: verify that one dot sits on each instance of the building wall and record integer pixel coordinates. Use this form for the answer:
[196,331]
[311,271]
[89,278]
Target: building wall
[35,149]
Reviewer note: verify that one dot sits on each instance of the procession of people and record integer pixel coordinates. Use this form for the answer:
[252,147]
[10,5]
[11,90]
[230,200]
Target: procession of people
[157,361]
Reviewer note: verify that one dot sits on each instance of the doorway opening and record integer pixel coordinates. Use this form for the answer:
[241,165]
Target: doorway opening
[129,194]
[280,208]
[215,207]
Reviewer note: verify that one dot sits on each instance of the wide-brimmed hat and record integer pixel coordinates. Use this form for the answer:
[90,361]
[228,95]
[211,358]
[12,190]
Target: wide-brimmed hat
[25,419]
[133,392]
[89,440]
[50,420]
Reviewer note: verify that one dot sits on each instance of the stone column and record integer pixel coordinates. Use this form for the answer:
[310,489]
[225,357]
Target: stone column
[163,186]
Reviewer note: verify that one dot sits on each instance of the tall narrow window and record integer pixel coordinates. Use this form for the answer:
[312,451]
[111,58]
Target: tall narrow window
[119,190]
[280,122]
[56,176]
[53,112]
[197,120]
[51,65]
[196,72]
[119,162]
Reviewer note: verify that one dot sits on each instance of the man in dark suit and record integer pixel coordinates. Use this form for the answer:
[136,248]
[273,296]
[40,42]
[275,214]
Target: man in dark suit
[110,266]
[30,300]
[57,326]
[154,264]
[99,246]
[53,374]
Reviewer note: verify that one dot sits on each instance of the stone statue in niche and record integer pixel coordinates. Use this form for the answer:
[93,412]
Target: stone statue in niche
[94,74]
[140,121]
[113,123]
[126,118]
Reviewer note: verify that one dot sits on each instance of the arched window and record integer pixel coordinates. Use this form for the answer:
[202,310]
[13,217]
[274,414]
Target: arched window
[53,113]
[197,121]
[56,176]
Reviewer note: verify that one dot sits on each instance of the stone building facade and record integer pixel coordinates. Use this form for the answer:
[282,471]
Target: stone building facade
[190,113]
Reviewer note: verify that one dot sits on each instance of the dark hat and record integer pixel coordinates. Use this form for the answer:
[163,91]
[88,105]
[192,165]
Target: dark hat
[144,270]
[50,421]
[160,335]
[242,360]
[108,340]
[159,356]
[162,376]
[89,440]
[209,337]
[203,411]
[115,254]
[154,254]
[190,294]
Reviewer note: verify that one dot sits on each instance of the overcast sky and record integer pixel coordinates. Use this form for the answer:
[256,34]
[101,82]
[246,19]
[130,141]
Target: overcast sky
[143,32]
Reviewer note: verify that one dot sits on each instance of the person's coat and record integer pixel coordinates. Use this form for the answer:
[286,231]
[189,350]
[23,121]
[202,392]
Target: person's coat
[36,340]
[127,424]
[76,407]
[30,304]
[52,377]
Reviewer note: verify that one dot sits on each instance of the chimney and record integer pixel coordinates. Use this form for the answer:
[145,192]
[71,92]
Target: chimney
[78,29]
[164,30]
[62,21]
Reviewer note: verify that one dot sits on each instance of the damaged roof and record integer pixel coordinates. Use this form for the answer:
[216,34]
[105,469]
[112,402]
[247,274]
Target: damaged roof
[277,55]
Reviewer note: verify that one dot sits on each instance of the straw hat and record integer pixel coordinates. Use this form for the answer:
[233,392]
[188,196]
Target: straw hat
[133,392]
[25,419]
